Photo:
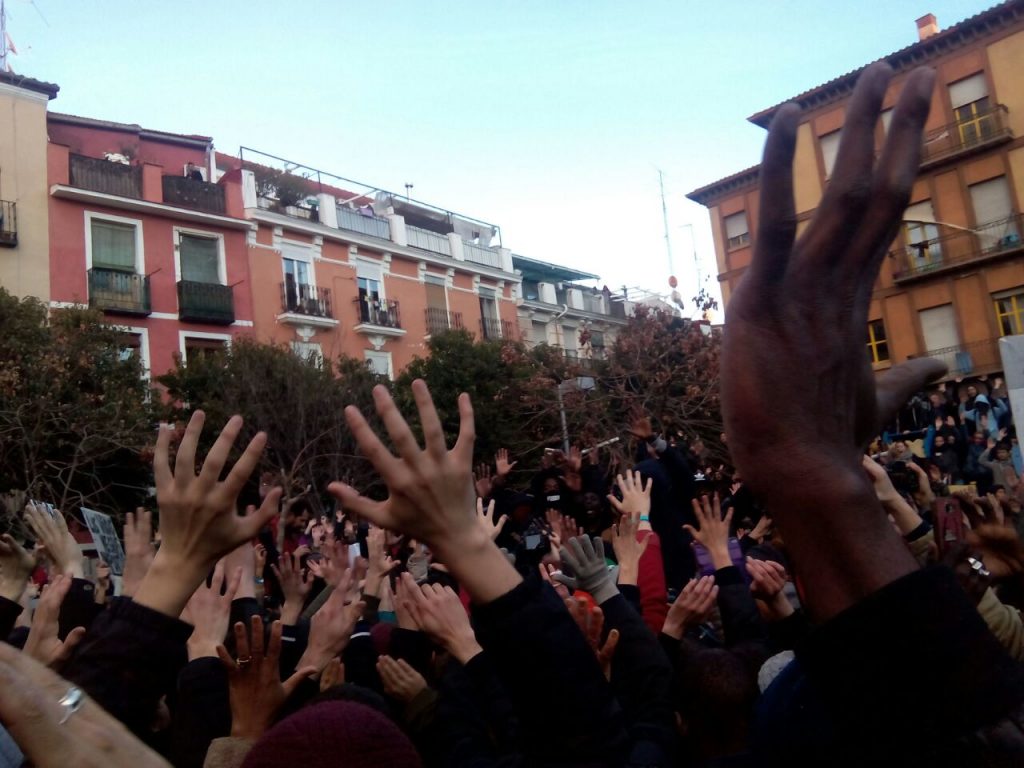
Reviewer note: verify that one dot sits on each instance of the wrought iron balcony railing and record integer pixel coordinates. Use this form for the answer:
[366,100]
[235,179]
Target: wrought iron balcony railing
[383,313]
[439,320]
[492,328]
[960,247]
[206,302]
[303,299]
[120,292]
[970,358]
[987,127]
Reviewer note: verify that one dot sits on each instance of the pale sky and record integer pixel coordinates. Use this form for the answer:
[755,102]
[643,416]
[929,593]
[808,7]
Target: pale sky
[549,118]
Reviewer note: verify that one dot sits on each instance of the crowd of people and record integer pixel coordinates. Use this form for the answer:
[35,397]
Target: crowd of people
[832,593]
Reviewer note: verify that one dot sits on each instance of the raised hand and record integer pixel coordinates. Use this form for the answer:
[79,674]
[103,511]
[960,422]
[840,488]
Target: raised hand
[563,528]
[591,624]
[254,682]
[50,735]
[295,585]
[691,607]
[502,466]
[331,627]
[379,563]
[43,644]
[199,523]
[550,574]
[482,481]
[768,579]
[209,612]
[636,495]
[714,530]
[440,614]
[430,491]
[138,549]
[628,547]
[400,680]
[58,543]
[16,565]
[485,518]
[585,558]
[333,674]
[799,314]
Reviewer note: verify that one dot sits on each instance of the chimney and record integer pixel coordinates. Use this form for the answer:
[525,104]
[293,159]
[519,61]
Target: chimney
[927,26]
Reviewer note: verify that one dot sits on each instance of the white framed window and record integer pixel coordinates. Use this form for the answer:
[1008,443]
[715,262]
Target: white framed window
[370,279]
[829,144]
[136,343]
[114,242]
[308,351]
[199,256]
[737,231]
[380,362]
[297,263]
[193,343]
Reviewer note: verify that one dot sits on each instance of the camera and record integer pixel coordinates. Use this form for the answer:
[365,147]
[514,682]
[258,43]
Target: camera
[903,479]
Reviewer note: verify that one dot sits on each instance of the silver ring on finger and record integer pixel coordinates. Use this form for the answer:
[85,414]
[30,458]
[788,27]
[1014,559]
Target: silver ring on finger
[72,702]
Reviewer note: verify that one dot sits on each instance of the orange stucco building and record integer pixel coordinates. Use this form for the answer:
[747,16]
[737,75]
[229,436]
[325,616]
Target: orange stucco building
[953,282]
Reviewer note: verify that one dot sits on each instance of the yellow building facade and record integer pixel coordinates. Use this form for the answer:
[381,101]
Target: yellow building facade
[953,282]
[24,198]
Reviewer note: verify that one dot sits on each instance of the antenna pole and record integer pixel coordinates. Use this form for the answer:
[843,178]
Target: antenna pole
[3,36]
[664,217]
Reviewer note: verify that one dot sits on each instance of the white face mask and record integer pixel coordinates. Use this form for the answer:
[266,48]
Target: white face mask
[554,498]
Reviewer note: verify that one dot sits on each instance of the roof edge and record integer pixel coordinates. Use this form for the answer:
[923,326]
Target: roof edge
[49,90]
[913,55]
[143,133]
[717,189]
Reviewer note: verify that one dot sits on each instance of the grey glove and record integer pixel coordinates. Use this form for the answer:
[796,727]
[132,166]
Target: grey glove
[586,559]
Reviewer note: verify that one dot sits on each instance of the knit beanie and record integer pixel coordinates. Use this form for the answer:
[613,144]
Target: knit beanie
[340,734]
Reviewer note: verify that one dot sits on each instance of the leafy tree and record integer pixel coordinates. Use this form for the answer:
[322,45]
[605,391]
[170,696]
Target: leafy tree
[494,373]
[298,403]
[660,365]
[75,413]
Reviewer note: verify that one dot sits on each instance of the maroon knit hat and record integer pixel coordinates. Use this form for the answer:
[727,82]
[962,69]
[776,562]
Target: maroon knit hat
[341,734]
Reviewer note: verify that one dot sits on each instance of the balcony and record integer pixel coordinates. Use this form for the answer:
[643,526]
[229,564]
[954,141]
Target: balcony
[104,176]
[8,224]
[363,223]
[490,328]
[975,357]
[983,130]
[962,247]
[478,254]
[440,320]
[125,293]
[426,240]
[192,193]
[307,306]
[379,312]
[206,303]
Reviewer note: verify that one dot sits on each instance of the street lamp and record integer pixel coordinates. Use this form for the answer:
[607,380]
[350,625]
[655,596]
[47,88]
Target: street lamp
[582,383]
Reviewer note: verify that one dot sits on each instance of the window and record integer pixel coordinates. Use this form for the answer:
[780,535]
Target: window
[736,230]
[878,344]
[969,98]
[368,278]
[922,235]
[570,339]
[1010,312]
[991,202]
[436,288]
[380,362]
[308,351]
[488,305]
[199,258]
[829,144]
[197,348]
[113,245]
